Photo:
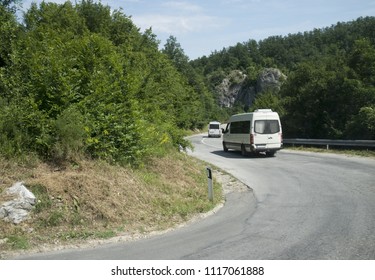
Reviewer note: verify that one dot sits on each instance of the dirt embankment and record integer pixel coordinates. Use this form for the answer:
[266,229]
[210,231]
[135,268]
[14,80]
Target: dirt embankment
[91,203]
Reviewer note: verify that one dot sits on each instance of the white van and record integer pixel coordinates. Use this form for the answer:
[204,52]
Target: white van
[214,129]
[255,132]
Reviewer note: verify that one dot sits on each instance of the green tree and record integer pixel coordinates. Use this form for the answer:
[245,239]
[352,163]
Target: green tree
[314,100]
[197,105]
[97,17]
[269,100]
[362,61]
[174,52]
[9,30]
[362,124]
[10,5]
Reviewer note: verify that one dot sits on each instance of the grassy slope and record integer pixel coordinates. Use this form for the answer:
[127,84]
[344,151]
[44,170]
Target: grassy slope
[91,199]
[94,200]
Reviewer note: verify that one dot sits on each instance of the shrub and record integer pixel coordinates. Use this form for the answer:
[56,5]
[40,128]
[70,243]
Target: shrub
[70,134]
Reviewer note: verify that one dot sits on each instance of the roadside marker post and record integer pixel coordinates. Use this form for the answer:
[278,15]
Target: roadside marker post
[210,190]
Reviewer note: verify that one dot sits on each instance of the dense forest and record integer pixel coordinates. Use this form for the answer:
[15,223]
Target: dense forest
[82,79]
[330,87]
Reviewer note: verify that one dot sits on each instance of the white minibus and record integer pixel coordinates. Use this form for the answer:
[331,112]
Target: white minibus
[214,129]
[255,132]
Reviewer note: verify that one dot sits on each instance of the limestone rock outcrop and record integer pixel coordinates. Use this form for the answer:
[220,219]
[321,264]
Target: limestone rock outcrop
[19,204]
[270,79]
[237,89]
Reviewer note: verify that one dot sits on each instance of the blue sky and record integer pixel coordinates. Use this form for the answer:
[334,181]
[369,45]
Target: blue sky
[201,27]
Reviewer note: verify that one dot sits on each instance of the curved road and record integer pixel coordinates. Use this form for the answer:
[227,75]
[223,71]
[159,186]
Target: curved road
[303,206]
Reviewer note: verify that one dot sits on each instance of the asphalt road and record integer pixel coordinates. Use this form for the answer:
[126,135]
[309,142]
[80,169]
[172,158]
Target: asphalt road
[303,206]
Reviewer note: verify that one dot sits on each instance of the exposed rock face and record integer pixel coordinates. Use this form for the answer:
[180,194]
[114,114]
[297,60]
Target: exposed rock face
[236,88]
[230,88]
[270,79]
[17,209]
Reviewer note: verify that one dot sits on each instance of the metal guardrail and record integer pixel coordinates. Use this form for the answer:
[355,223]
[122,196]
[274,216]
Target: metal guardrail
[329,142]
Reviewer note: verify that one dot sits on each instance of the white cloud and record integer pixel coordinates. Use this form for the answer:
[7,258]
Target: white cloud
[240,1]
[177,24]
[27,3]
[182,6]
[178,17]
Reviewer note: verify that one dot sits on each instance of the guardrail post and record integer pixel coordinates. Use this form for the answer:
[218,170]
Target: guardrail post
[210,189]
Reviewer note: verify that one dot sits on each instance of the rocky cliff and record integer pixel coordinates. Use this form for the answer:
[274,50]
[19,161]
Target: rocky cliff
[236,88]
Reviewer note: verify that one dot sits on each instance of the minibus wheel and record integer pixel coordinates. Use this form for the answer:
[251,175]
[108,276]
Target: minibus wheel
[225,147]
[243,150]
[270,154]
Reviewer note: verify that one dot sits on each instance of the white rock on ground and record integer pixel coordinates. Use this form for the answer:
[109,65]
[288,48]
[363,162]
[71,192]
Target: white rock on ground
[17,209]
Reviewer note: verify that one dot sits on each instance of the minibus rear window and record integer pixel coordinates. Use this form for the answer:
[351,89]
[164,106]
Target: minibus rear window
[266,126]
[214,126]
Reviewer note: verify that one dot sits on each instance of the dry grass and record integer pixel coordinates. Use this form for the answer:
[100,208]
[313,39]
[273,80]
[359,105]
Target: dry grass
[91,199]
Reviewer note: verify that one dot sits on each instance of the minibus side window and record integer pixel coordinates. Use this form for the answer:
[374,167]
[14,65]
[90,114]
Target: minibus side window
[241,127]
